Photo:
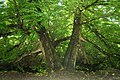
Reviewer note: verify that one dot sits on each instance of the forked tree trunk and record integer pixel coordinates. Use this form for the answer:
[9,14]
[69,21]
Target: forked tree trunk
[52,59]
[70,56]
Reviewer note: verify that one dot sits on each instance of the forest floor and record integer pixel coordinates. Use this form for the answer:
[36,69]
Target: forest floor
[62,75]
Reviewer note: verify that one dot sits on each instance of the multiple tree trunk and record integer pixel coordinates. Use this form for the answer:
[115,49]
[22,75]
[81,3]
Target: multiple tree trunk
[48,47]
[75,48]
[51,57]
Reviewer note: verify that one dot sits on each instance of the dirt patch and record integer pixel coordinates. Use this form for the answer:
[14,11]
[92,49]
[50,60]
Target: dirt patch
[62,75]
[14,75]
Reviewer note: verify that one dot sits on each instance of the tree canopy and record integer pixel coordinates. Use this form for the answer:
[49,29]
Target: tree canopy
[60,34]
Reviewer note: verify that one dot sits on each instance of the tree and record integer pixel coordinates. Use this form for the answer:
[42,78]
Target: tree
[67,31]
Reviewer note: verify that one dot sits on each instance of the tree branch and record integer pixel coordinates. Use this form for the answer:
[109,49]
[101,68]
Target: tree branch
[5,34]
[24,55]
[57,42]
[102,50]
[86,22]
[15,46]
[96,46]
[91,4]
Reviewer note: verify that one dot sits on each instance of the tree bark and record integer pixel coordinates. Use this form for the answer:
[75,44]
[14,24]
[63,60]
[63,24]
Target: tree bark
[52,59]
[70,56]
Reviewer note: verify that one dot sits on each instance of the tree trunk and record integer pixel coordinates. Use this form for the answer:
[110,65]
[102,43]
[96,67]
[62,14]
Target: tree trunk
[70,56]
[52,59]
[82,58]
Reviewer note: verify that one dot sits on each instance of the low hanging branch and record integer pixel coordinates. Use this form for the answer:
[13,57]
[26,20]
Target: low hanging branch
[100,36]
[25,55]
[15,46]
[10,32]
[103,38]
[6,64]
[96,46]
[5,34]
[102,50]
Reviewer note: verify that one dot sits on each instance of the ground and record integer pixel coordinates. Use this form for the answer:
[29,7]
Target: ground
[62,75]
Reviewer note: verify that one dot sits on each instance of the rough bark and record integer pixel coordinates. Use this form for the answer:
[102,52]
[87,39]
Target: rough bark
[82,56]
[52,60]
[70,56]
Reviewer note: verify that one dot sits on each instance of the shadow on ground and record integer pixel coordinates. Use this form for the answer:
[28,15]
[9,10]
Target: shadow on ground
[62,75]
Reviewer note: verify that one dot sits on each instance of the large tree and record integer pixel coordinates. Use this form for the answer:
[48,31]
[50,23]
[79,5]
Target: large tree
[64,31]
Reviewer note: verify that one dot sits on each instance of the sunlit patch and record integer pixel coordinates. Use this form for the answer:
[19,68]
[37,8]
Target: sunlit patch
[113,74]
[60,3]
[118,45]
[1,37]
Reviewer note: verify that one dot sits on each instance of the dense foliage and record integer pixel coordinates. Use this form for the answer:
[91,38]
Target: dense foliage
[21,41]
